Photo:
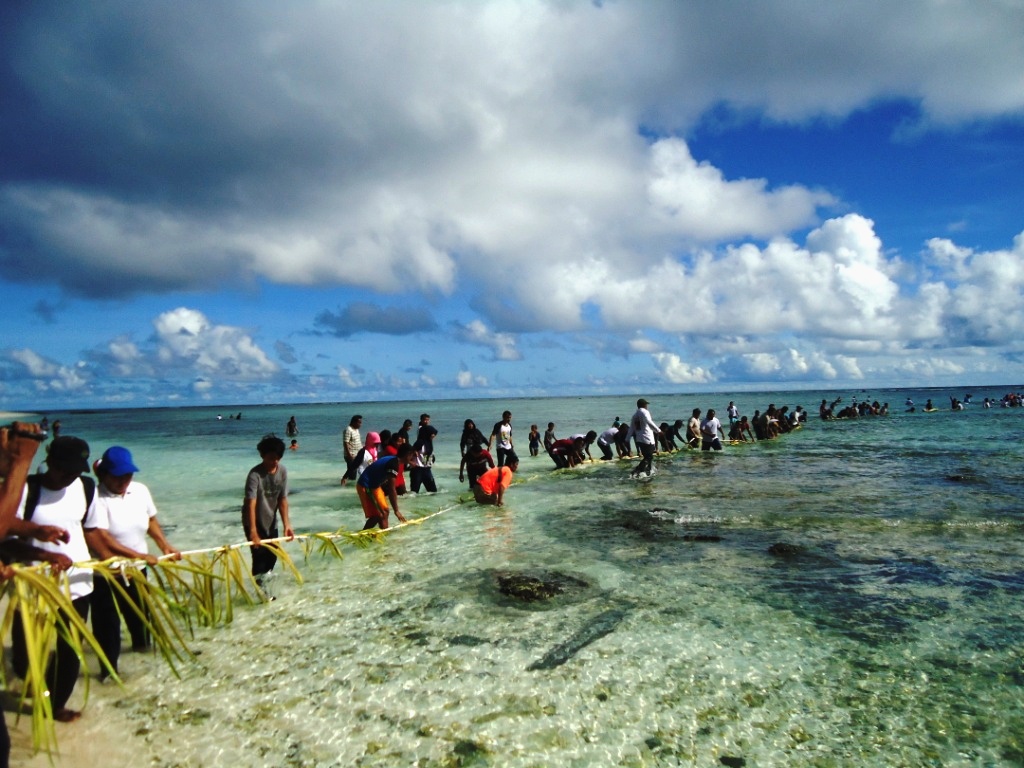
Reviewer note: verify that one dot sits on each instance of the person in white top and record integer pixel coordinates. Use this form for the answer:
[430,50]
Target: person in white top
[126,515]
[643,429]
[710,429]
[60,498]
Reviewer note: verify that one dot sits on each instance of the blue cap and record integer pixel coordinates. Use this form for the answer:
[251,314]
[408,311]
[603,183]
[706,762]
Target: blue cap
[117,461]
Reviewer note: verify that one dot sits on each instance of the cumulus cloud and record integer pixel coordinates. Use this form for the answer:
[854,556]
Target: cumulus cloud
[186,338]
[49,375]
[675,370]
[502,345]
[465,379]
[697,200]
[346,152]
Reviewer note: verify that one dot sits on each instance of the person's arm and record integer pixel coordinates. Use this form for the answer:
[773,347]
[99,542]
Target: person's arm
[499,493]
[462,469]
[393,496]
[249,510]
[22,551]
[156,533]
[282,507]
[29,530]
[104,546]
[16,451]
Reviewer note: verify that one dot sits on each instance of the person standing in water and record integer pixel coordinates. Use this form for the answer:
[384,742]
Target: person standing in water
[644,431]
[266,497]
[502,433]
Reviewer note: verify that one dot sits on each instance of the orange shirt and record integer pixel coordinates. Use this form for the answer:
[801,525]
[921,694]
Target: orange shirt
[488,481]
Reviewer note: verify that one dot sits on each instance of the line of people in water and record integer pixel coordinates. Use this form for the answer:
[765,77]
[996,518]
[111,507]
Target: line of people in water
[481,453]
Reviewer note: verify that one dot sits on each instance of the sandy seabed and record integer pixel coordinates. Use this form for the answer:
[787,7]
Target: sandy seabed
[101,738]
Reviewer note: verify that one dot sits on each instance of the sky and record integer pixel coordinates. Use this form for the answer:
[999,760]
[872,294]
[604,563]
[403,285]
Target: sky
[254,201]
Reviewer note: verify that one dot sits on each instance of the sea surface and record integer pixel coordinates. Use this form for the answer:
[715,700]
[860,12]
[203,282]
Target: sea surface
[888,631]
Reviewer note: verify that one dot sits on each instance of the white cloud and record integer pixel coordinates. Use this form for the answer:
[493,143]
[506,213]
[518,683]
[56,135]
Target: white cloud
[699,203]
[49,375]
[503,345]
[465,379]
[187,338]
[675,370]
[347,379]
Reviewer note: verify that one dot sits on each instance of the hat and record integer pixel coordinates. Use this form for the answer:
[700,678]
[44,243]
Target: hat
[372,438]
[117,461]
[67,452]
[641,403]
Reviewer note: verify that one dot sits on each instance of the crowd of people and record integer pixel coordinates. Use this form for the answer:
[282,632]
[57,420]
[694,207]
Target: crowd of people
[640,436]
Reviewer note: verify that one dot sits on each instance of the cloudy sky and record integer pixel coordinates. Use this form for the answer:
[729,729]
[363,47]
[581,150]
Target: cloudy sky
[240,202]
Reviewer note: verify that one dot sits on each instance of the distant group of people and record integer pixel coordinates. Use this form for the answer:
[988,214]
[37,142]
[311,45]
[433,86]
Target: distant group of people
[855,409]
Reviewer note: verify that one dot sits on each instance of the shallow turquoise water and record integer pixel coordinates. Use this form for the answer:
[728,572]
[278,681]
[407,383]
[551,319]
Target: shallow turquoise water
[893,637]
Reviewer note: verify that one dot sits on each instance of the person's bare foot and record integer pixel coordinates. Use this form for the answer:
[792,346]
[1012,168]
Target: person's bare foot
[65,715]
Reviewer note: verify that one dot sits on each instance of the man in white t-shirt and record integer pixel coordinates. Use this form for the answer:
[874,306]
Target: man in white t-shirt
[60,498]
[643,430]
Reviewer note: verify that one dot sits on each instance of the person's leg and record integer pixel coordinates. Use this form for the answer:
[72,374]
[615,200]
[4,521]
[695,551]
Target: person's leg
[19,651]
[63,672]
[5,743]
[606,451]
[428,480]
[106,623]
[417,478]
[263,560]
[136,626]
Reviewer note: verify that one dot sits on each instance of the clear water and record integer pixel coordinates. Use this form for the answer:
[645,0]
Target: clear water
[894,637]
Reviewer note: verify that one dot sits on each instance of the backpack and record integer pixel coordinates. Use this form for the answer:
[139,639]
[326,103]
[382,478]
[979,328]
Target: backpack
[35,484]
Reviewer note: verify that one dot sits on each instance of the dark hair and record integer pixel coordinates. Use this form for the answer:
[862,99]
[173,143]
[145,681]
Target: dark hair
[354,419]
[424,416]
[385,436]
[405,450]
[271,444]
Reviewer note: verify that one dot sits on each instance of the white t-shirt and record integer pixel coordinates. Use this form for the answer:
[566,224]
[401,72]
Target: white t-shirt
[126,517]
[710,428]
[65,508]
[642,427]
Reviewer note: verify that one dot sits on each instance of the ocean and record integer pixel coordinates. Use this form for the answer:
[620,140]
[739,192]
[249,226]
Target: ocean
[888,629]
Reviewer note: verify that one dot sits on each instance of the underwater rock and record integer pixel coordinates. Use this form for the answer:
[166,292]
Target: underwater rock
[469,754]
[596,628]
[468,640]
[781,549]
[732,762]
[534,586]
[701,537]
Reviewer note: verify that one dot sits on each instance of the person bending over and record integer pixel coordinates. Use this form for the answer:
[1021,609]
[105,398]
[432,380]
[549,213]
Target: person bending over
[377,485]
[491,487]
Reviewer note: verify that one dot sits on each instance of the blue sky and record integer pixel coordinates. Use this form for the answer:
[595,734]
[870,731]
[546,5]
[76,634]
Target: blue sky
[240,202]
